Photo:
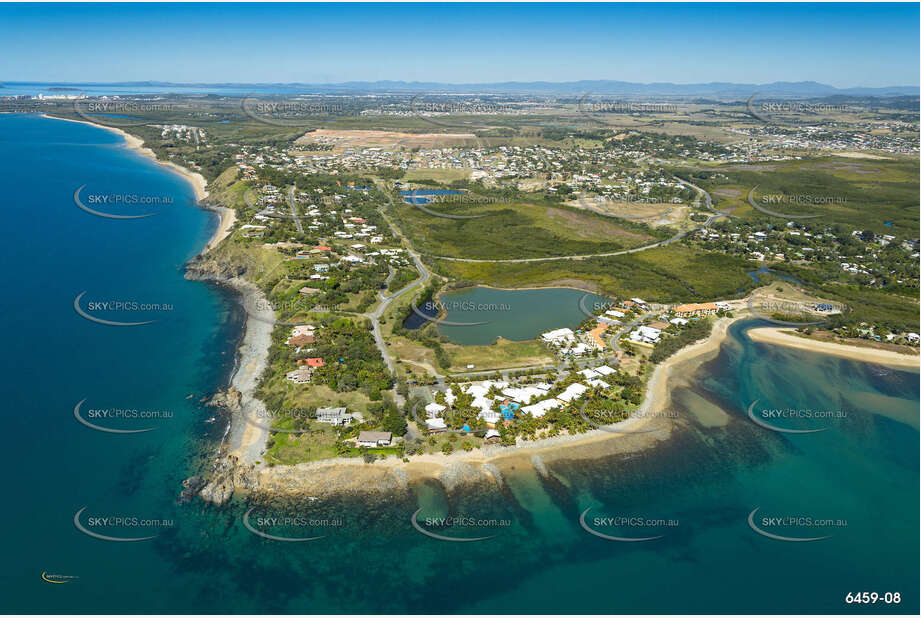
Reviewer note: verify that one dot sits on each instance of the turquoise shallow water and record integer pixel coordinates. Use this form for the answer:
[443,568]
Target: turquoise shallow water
[716,467]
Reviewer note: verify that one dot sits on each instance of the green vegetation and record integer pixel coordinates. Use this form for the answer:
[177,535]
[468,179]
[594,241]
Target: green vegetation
[673,273]
[498,355]
[313,441]
[517,230]
[351,363]
[858,193]
[555,155]
[695,331]
[318,442]
[403,277]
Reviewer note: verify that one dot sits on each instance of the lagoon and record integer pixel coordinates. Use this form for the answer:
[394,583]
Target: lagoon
[708,476]
[480,315]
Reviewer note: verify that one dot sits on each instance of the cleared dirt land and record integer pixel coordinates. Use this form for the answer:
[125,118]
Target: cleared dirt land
[342,139]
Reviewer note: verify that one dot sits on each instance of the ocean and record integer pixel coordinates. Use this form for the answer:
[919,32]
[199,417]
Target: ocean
[854,483]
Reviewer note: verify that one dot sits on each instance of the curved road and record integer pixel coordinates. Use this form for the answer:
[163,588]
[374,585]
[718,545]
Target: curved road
[297,220]
[709,205]
[375,316]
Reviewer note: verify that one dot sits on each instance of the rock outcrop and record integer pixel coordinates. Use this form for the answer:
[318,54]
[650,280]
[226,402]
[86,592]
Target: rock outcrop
[228,476]
[229,399]
[205,268]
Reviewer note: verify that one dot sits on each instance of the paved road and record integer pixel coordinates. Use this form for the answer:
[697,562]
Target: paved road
[623,331]
[716,215]
[424,276]
[297,220]
[375,316]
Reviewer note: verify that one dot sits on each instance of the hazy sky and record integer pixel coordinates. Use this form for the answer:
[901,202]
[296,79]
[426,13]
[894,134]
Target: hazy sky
[838,44]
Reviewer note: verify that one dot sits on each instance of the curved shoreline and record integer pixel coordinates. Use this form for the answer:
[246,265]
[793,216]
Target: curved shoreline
[529,287]
[776,336]
[243,441]
[351,474]
[227,217]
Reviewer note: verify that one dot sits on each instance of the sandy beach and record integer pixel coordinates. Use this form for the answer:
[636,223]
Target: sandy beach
[247,439]
[650,424]
[198,182]
[867,355]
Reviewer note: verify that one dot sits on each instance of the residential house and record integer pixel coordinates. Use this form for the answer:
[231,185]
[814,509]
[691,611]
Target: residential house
[301,375]
[573,391]
[333,416]
[301,340]
[645,334]
[374,438]
[696,309]
[434,410]
[435,425]
[605,370]
[540,408]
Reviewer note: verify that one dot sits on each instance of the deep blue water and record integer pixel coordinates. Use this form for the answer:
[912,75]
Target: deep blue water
[53,359]
[713,470]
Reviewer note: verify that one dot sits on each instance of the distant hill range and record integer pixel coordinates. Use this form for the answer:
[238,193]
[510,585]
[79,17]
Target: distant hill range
[716,90]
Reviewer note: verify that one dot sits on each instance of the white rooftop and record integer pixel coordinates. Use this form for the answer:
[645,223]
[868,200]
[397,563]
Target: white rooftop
[573,391]
[540,408]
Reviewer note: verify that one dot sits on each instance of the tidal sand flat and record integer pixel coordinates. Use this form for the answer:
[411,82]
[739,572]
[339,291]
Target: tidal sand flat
[695,487]
[909,359]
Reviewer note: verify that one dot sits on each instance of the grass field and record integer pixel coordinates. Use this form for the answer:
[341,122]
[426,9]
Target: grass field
[861,193]
[674,273]
[500,355]
[293,448]
[514,230]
